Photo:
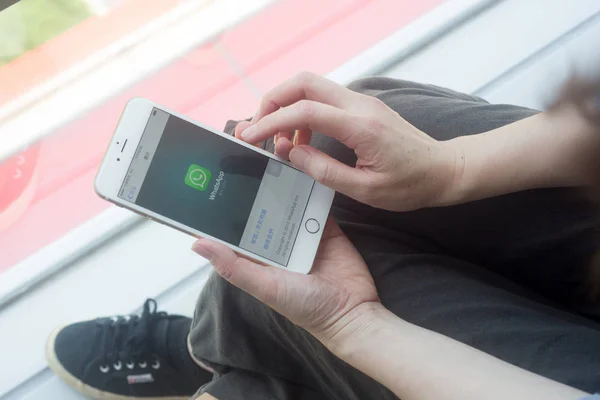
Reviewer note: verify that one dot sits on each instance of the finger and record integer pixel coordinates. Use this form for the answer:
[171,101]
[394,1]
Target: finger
[304,86]
[240,127]
[329,171]
[303,136]
[283,148]
[265,283]
[288,135]
[306,114]
[241,272]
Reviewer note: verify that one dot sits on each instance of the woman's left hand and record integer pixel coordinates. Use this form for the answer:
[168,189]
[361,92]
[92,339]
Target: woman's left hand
[338,291]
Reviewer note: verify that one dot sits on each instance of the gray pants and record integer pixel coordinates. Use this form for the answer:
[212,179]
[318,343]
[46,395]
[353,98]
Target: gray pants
[503,275]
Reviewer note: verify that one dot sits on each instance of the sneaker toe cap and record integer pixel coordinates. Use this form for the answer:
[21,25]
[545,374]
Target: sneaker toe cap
[72,347]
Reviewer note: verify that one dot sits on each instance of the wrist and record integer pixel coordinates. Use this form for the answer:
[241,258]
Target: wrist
[583,154]
[452,166]
[553,149]
[382,346]
[487,165]
[345,336]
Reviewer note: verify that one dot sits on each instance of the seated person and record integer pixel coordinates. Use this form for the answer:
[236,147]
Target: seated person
[458,262]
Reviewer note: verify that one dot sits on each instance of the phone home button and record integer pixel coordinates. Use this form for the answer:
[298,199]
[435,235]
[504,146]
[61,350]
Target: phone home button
[312,225]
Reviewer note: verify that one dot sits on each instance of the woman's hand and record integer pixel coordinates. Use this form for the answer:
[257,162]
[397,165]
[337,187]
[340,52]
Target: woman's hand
[338,291]
[399,167]
[338,304]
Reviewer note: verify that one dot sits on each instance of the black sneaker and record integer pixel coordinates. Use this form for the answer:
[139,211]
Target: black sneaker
[127,357]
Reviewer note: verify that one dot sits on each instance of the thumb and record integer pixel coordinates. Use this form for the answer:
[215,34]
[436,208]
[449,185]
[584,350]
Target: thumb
[326,170]
[262,282]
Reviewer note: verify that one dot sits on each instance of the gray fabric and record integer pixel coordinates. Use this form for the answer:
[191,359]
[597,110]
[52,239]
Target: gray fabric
[502,275]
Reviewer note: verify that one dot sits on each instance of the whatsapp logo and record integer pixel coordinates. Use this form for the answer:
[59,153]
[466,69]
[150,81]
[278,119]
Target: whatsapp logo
[197,177]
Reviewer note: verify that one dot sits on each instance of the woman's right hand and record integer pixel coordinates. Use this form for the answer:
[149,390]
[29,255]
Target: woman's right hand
[399,167]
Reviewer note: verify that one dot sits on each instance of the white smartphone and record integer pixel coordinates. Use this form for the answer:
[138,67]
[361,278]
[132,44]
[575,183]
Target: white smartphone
[206,183]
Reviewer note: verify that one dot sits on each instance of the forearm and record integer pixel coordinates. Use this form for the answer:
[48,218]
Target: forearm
[556,149]
[419,364]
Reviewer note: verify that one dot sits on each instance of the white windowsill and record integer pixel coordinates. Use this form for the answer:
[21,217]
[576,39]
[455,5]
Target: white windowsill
[45,109]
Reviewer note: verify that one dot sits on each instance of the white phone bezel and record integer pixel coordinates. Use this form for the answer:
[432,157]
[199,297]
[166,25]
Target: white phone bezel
[111,175]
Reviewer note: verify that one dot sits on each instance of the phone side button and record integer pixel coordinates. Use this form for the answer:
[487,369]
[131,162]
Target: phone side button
[312,225]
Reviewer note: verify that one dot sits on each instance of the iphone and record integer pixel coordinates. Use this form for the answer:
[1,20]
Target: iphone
[185,175]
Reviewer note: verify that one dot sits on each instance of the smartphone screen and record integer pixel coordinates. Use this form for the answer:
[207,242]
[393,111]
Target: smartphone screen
[216,186]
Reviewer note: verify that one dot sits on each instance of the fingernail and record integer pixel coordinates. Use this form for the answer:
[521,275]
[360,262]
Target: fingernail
[298,157]
[203,250]
[275,139]
[248,133]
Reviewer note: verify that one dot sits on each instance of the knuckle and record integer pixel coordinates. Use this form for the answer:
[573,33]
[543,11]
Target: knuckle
[226,271]
[325,173]
[306,78]
[306,109]
[354,132]
[267,103]
[377,103]
[266,98]
[372,125]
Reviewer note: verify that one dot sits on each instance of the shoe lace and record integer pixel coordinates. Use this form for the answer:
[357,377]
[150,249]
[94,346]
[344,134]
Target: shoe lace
[128,338]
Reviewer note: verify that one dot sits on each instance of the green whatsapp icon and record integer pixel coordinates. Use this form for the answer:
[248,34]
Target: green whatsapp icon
[197,177]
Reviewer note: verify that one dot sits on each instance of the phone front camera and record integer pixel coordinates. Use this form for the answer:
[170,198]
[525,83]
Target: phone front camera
[118,159]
